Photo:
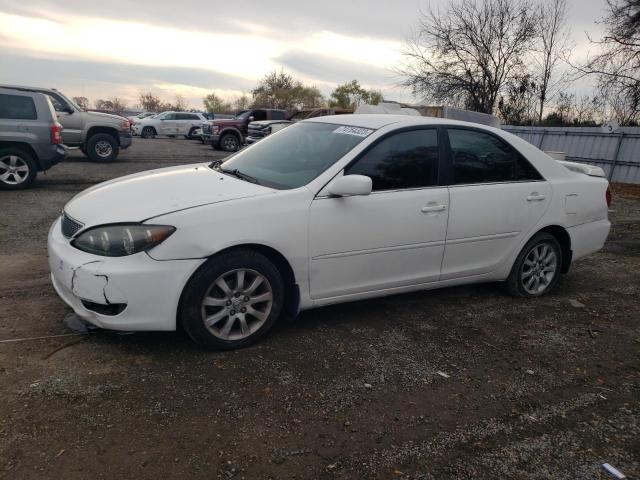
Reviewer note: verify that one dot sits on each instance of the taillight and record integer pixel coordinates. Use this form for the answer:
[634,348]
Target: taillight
[56,133]
[608,196]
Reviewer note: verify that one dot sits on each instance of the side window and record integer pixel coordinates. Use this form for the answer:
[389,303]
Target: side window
[170,116]
[259,115]
[479,157]
[277,115]
[17,107]
[404,160]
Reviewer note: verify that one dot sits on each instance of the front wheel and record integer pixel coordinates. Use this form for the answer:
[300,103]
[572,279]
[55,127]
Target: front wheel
[232,301]
[537,268]
[230,143]
[148,132]
[17,169]
[102,147]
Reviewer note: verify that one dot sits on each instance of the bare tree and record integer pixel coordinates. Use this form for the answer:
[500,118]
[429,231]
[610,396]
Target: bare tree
[467,54]
[617,64]
[181,104]
[149,102]
[82,102]
[554,46]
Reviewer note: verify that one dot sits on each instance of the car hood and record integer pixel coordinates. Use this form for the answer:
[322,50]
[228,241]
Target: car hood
[105,116]
[226,121]
[145,195]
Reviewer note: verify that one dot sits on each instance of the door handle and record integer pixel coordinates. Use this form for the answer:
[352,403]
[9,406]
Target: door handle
[433,208]
[535,197]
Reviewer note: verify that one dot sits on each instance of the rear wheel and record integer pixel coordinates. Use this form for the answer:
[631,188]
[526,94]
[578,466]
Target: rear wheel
[18,169]
[190,135]
[232,300]
[148,132]
[102,147]
[537,268]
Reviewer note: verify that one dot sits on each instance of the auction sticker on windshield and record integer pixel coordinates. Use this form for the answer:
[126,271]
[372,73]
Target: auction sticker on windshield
[357,131]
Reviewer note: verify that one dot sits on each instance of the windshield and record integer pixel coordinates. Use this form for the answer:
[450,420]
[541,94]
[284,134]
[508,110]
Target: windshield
[296,155]
[243,114]
[74,104]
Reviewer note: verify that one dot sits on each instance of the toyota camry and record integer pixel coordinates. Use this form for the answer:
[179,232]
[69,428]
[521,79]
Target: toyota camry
[329,210]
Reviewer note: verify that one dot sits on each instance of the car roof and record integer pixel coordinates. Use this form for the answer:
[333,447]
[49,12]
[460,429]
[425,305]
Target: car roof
[29,89]
[376,121]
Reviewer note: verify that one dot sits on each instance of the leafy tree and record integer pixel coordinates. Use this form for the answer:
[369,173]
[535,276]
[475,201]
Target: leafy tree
[281,90]
[214,104]
[351,95]
[466,54]
[82,102]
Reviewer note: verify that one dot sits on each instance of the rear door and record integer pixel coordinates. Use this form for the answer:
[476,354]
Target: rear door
[496,198]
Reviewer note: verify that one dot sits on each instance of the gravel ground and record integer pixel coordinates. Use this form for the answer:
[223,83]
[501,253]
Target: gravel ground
[546,388]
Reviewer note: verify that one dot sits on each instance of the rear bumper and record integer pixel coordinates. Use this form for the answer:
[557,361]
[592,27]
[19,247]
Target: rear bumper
[57,154]
[589,237]
[125,140]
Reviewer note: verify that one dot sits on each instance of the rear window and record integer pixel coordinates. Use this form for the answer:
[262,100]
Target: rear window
[17,107]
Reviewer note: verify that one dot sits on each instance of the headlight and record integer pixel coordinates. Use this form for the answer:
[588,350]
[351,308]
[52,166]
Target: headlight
[122,240]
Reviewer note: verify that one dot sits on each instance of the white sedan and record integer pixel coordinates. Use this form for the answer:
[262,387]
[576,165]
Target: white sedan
[329,210]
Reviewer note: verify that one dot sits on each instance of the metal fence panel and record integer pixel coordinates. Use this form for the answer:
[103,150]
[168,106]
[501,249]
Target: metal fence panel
[618,154]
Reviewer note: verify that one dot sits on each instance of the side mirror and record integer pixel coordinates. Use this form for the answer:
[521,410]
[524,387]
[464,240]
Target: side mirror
[350,185]
[252,118]
[68,110]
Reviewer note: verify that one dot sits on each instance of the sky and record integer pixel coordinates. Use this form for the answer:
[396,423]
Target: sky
[100,49]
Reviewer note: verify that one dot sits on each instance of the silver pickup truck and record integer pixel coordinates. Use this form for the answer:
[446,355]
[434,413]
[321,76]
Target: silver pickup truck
[100,136]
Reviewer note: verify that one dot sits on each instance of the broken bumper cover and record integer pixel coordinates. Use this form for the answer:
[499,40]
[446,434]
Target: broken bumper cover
[132,293]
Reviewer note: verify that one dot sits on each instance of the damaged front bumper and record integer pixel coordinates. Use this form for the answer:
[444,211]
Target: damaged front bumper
[119,293]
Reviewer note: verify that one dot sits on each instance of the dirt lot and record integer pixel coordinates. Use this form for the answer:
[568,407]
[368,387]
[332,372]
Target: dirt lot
[548,388]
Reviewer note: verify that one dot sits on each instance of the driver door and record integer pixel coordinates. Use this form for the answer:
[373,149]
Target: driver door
[393,237]
[168,124]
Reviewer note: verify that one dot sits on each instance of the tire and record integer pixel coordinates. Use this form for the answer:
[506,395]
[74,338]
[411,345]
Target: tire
[148,132]
[536,270]
[102,147]
[258,304]
[229,142]
[18,169]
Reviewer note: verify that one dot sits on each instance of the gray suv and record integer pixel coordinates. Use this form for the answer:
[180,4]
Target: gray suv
[100,136]
[30,137]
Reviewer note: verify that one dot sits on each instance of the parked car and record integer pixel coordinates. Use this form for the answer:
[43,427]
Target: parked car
[30,137]
[170,123]
[140,116]
[329,210]
[100,136]
[230,134]
[258,130]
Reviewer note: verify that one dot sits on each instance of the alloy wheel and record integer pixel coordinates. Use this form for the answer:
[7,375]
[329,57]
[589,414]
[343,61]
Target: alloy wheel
[13,170]
[103,149]
[230,143]
[237,304]
[539,268]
